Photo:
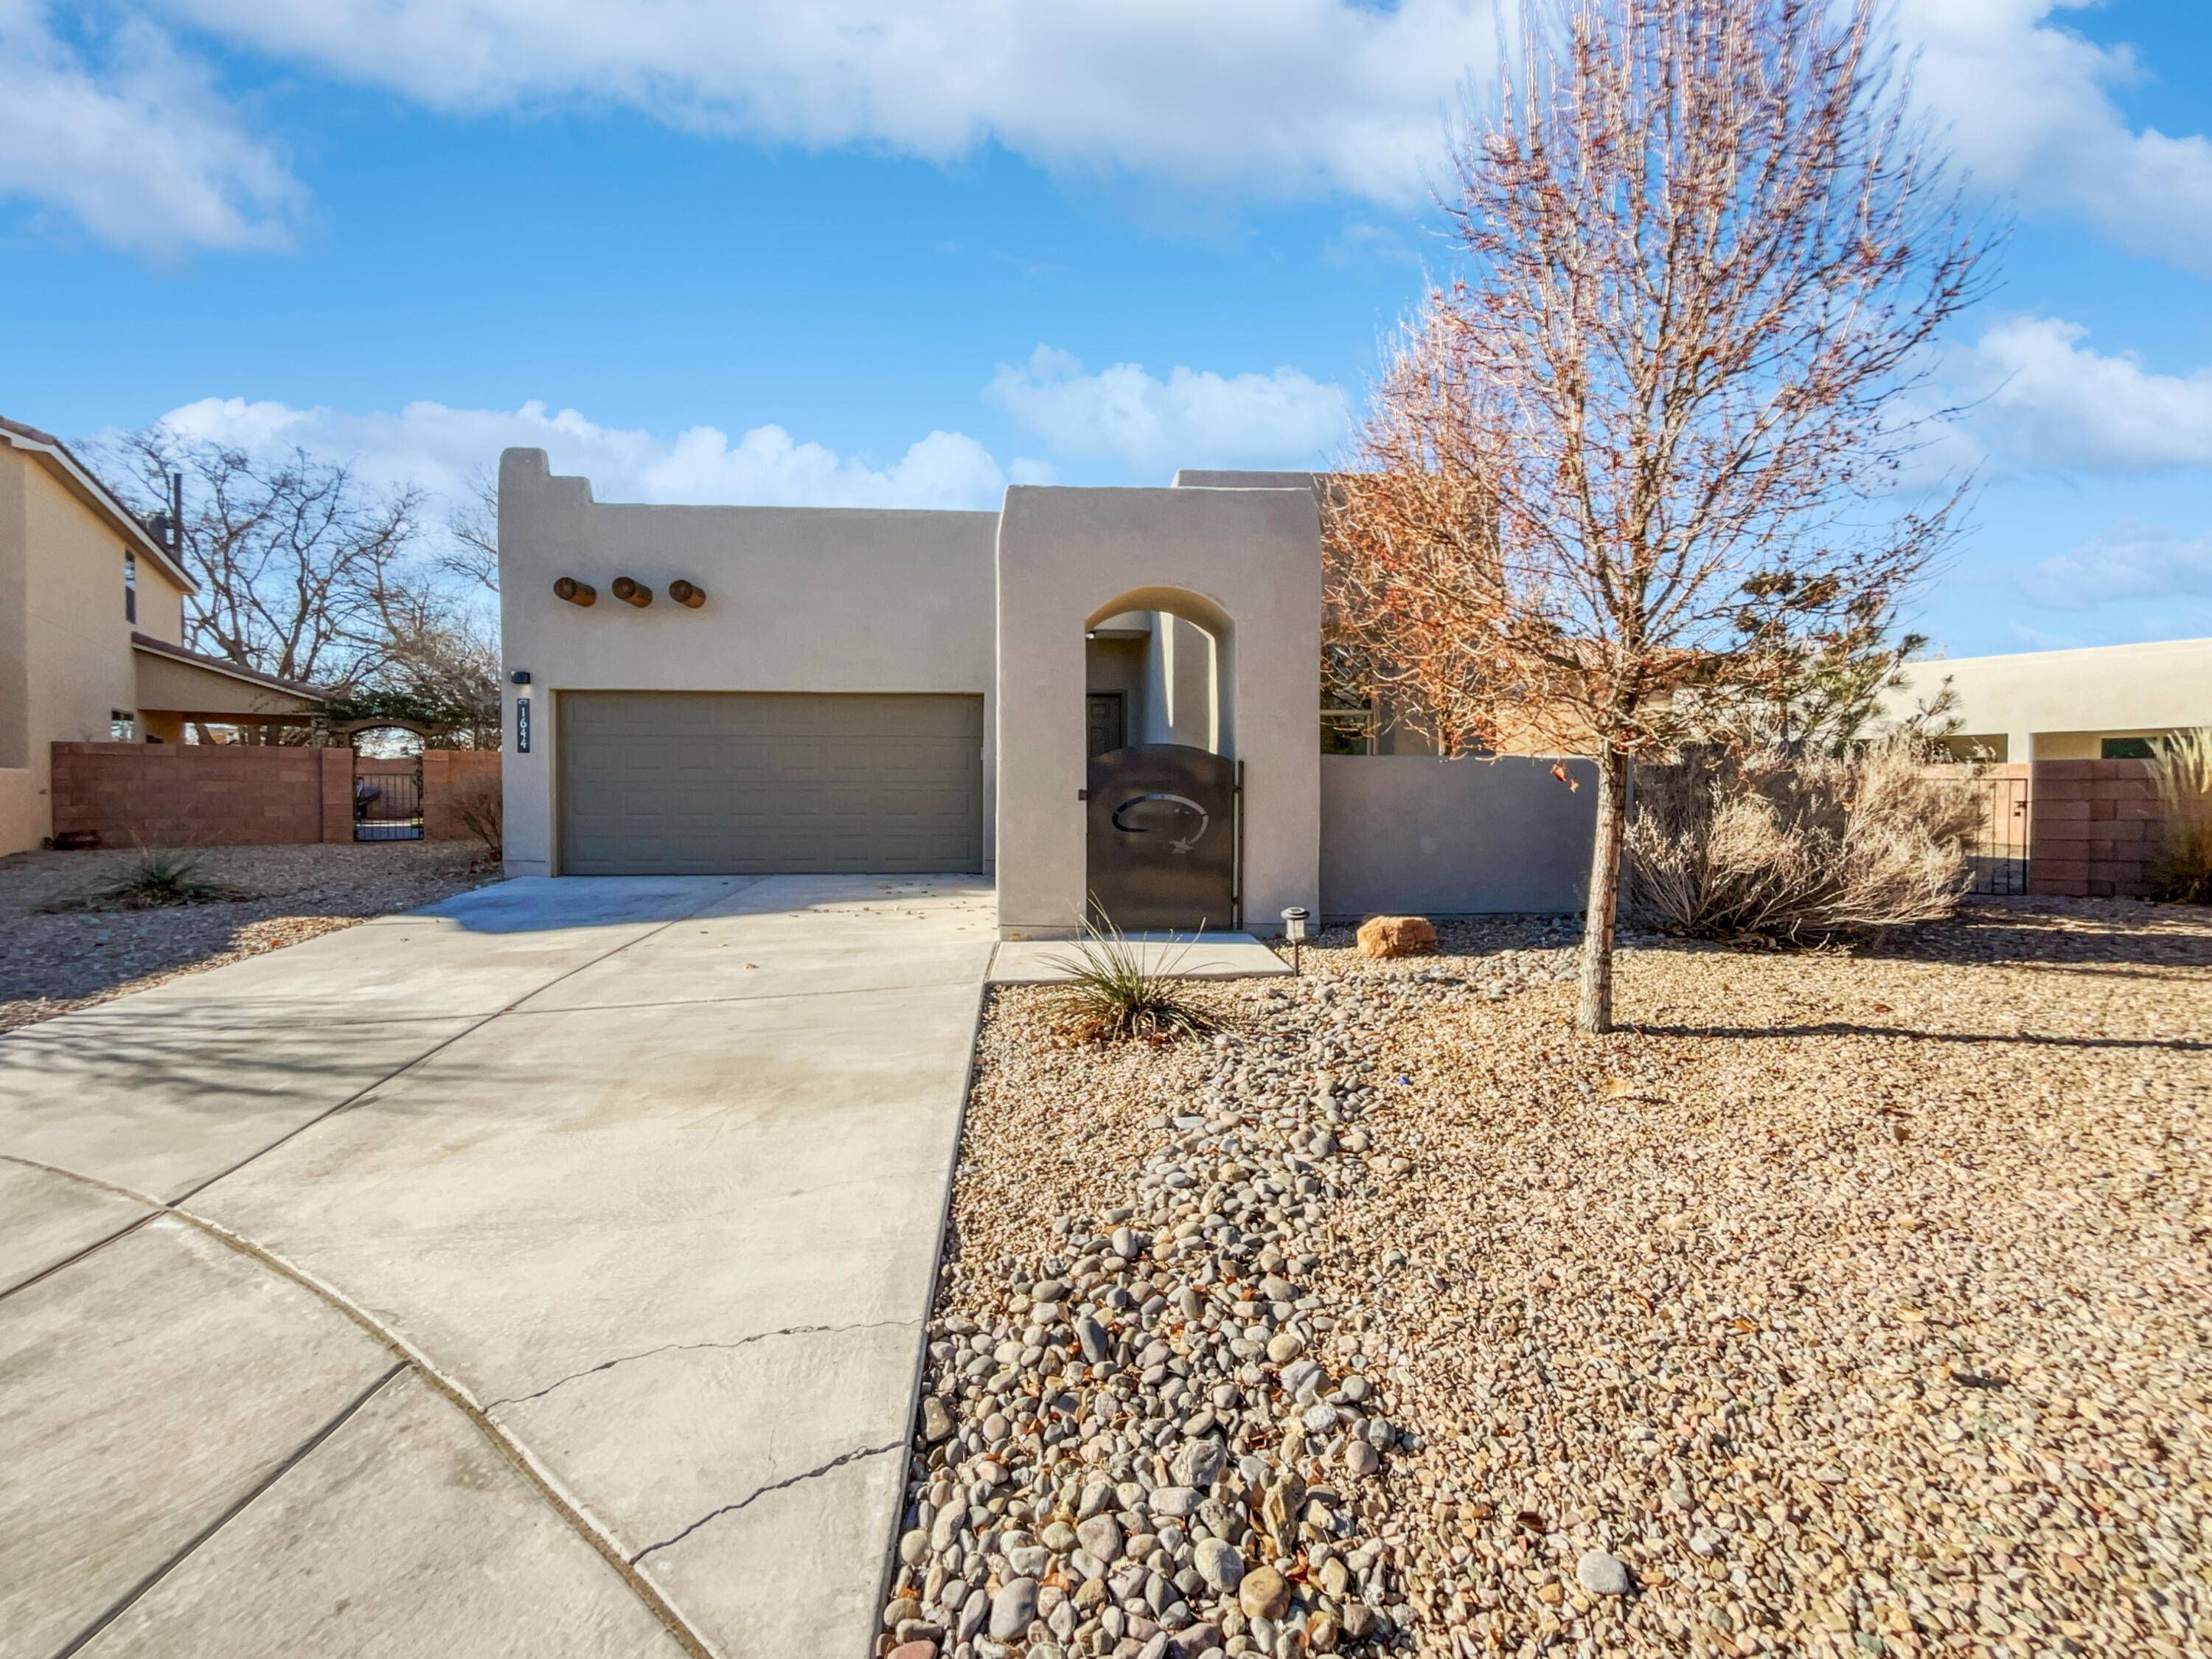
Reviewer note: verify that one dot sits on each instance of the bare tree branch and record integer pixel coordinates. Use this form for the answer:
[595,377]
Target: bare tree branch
[1634,476]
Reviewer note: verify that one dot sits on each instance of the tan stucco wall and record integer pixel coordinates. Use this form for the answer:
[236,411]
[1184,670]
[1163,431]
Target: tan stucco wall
[15,630]
[66,656]
[1247,563]
[2059,705]
[163,683]
[798,600]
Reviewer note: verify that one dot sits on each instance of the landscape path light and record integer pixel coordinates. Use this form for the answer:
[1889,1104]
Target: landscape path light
[1294,929]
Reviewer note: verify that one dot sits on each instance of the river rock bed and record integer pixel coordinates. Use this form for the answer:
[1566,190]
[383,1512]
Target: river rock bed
[1844,1304]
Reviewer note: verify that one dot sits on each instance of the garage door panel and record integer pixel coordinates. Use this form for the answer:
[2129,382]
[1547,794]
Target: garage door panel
[742,783]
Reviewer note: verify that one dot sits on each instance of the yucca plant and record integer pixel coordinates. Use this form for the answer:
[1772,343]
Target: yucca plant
[155,878]
[1112,994]
[2181,771]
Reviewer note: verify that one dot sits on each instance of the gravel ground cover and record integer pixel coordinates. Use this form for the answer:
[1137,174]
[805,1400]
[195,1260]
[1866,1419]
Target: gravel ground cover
[53,963]
[1852,1303]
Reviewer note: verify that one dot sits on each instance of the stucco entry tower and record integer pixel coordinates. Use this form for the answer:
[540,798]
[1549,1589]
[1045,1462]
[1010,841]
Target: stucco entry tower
[1244,565]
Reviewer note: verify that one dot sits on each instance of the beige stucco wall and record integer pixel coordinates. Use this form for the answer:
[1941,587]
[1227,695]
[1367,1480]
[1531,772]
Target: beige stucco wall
[1245,563]
[2059,705]
[66,656]
[1414,834]
[798,600]
[166,683]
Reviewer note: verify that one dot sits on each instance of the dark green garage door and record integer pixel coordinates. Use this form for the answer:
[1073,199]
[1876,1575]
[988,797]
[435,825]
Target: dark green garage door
[664,783]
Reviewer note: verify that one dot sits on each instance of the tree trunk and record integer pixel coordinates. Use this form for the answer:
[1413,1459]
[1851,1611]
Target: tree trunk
[1596,1011]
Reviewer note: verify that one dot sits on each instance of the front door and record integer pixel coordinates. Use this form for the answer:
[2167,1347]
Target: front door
[1108,721]
[1162,854]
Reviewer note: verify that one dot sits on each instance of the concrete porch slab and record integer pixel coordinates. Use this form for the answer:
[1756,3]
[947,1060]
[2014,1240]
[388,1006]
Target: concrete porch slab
[1179,955]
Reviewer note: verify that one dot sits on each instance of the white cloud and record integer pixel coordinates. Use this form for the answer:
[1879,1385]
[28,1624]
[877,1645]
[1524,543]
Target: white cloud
[1191,419]
[1282,96]
[128,137]
[1274,98]
[2043,399]
[2131,561]
[2030,110]
[442,448]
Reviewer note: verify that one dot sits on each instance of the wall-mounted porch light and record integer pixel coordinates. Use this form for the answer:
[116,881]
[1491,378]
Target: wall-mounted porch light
[690,595]
[631,592]
[576,592]
[1294,929]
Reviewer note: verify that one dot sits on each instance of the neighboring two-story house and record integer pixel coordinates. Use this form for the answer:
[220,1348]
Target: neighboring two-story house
[92,632]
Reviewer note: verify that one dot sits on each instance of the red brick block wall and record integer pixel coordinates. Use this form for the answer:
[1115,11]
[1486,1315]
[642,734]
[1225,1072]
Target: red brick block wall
[169,794]
[337,795]
[446,772]
[2095,825]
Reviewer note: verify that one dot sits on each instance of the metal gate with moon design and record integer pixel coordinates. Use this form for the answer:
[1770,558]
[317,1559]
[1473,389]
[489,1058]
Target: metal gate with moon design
[1163,839]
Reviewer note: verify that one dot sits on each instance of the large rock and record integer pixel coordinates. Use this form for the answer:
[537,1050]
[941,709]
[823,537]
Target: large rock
[1199,1463]
[1220,1565]
[1102,1536]
[1397,936]
[1263,1594]
[1604,1575]
[936,1419]
[1012,1609]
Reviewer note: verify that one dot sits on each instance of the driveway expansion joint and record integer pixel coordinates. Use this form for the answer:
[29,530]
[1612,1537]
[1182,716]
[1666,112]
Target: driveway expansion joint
[758,1493]
[284,1467]
[684,1347]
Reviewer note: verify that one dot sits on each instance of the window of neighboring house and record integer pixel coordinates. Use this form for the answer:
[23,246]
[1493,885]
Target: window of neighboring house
[1347,731]
[2125,749]
[130,587]
[122,725]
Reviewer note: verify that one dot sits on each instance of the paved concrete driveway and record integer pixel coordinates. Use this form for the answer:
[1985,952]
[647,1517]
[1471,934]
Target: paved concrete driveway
[542,1274]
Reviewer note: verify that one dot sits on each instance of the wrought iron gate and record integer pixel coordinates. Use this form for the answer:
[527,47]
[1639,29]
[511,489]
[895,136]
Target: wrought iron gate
[1163,839]
[1999,859]
[387,800]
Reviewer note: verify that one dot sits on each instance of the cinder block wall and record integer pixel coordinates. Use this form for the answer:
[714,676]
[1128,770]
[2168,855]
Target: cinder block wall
[444,773]
[2096,825]
[169,794]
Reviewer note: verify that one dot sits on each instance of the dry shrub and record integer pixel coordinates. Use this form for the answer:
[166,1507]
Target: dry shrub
[477,807]
[1801,849]
[2182,771]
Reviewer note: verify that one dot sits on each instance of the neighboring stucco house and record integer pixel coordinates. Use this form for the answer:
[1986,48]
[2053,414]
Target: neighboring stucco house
[2101,703]
[1030,694]
[91,632]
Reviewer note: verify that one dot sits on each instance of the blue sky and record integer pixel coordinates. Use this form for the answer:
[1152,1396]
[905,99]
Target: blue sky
[901,253]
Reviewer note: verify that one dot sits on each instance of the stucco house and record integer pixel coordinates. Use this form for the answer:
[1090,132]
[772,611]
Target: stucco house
[1107,700]
[2101,703]
[91,632]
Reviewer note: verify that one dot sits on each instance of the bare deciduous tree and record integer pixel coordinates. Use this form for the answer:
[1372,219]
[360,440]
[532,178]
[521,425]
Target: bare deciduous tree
[473,526]
[1637,465]
[299,565]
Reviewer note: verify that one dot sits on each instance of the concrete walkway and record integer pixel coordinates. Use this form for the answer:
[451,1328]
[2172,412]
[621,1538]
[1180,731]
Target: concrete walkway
[542,1274]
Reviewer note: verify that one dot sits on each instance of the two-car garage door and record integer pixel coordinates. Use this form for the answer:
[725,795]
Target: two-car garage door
[745,783]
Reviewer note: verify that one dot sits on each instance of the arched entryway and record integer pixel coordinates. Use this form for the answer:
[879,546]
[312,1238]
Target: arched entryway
[1161,832]
[387,780]
[1241,568]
